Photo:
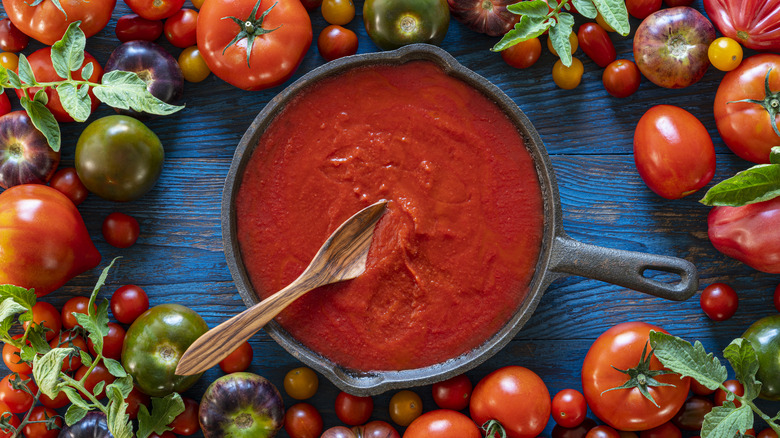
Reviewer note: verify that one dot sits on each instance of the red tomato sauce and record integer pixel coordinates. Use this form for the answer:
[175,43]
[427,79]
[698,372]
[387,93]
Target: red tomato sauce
[452,258]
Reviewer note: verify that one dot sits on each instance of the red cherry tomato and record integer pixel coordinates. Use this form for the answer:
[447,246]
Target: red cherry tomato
[595,42]
[37,428]
[353,410]
[335,42]
[77,305]
[120,230]
[621,78]
[55,403]
[135,27]
[732,385]
[99,374]
[642,8]
[134,401]
[442,423]
[18,400]
[13,361]
[112,342]
[602,432]
[453,393]
[666,430]
[11,38]
[128,303]
[12,419]
[569,408]
[70,339]
[155,9]
[67,181]
[48,316]
[186,423]
[767,433]
[691,414]
[523,54]
[699,389]
[238,360]
[180,28]
[302,420]
[5,104]
[719,301]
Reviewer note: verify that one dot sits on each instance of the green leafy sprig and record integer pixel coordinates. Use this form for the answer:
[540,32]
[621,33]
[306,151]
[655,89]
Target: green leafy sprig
[119,89]
[755,184]
[537,18]
[692,360]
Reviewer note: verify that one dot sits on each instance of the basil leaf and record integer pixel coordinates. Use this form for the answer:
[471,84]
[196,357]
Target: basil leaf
[586,8]
[126,90]
[615,14]
[535,8]
[756,184]
[744,361]
[67,54]
[688,360]
[525,29]
[44,120]
[26,74]
[559,35]
[46,370]
[74,414]
[73,103]
[725,421]
[164,410]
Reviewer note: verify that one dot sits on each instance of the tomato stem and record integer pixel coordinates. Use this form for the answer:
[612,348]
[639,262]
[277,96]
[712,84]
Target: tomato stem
[770,103]
[250,28]
[642,377]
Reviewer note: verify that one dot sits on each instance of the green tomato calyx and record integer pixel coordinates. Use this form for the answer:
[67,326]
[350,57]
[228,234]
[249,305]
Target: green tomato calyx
[250,28]
[771,103]
[642,377]
[494,429]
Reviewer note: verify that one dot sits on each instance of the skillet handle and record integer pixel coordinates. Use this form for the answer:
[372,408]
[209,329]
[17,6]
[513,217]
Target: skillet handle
[624,268]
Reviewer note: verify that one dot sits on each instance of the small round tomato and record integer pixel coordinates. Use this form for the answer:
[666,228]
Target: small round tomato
[301,383]
[9,60]
[18,400]
[134,401]
[453,393]
[725,54]
[128,303]
[442,423]
[336,42]
[60,401]
[112,342]
[405,407]
[338,12]
[74,305]
[569,77]
[36,428]
[595,42]
[180,28]
[767,433]
[666,430]
[621,78]
[602,432]
[574,43]
[719,301]
[691,414]
[133,27]
[302,420]
[70,339]
[120,230]
[353,410]
[193,67]
[48,316]
[186,423]
[11,38]
[13,361]
[67,181]
[642,8]
[99,374]
[569,408]
[764,336]
[238,360]
[5,104]
[155,9]
[394,23]
[523,54]
[673,151]
[10,418]
[699,389]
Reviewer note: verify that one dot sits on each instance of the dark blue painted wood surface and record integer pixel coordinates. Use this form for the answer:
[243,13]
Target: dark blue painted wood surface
[588,134]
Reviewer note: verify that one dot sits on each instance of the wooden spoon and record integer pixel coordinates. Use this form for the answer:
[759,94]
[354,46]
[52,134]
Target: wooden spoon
[342,257]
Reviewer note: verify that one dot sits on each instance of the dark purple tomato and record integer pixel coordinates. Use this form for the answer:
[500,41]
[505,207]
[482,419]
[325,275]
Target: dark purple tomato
[692,412]
[25,156]
[93,425]
[11,38]
[134,27]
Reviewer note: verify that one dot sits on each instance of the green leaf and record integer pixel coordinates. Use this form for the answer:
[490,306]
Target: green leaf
[74,104]
[118,420]
[164,410]
[98,388]
[74,414]
[13,79]
[9,307]
[44,120]
[41,97]
[87,71]
[535,8]
[3,75]
[744,361]
[725,421]
[114,367]
[86,359]
[756,184]
[126,90]
[95,322]
[559,35]
[615,14]
[124,384]
[25,297]
[25,71]
[93,331]
[36,337]
[688,360]
[525,29]
[586,8]
[774,155]
[75,397]
[5,327]
[67,54]
[46,370]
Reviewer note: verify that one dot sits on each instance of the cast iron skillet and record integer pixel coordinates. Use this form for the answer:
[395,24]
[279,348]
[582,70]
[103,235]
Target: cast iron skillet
[560,255]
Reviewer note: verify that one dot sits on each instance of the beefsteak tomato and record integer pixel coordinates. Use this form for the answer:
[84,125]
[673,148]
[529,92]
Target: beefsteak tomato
[746,107]
[253,44]
[43,239]
[623,347]
[45,22]
[754,23]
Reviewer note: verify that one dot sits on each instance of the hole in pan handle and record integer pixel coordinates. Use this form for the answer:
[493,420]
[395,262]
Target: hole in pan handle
[625,268]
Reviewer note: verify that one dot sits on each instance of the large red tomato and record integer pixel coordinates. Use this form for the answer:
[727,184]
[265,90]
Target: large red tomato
[673,151]
[621,347]
[40,61]
[748,128]
[751,22]
[514,396]
[47,23]
[279,35]
[442,423]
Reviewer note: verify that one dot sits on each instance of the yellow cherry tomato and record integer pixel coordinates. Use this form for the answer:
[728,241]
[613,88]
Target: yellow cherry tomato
[197,3]
[193,67]
[9,60]
[301,383]
[725,54]
[338,12]
[568,77]
[573,41]
[405,407]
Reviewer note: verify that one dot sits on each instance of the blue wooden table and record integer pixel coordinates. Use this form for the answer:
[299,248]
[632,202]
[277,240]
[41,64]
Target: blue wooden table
[179,255]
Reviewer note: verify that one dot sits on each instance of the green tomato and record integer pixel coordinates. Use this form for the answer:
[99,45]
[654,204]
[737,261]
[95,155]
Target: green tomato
[764,335]
[119,158]
[155,342]
[395,23]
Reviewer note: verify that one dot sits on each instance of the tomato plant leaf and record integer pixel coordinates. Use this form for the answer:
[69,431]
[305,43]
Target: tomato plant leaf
[615,14]
[525,29]
[535,8]
[46,370]
[559,36]
[79,107]
[725,421]
[86,359]
[5,327]
[586,8]
[67,54]
[13,79]
[44,120]
[124,384]
[75,397]
[114,367]
[25,71]
[164,410]
[118,420]
[74,414]
[686,359]
[755,184]
[87,71]
[22,296]
[744,361]
[9,308]
[125,90]
[36,338]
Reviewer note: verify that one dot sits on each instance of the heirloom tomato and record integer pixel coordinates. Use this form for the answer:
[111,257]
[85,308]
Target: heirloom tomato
[691,415]
[574,432]
[25,155]
[338,12]
[193,67]
[751,22]
[485,16]
[764,335]
[602,432]
[45,22]
[395,23]
[666,430]
[746,107]
[186,423]
[514,396]
[270,42]
[750,233]
[443,423]
[625,347]
[11,62]
[673,151]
